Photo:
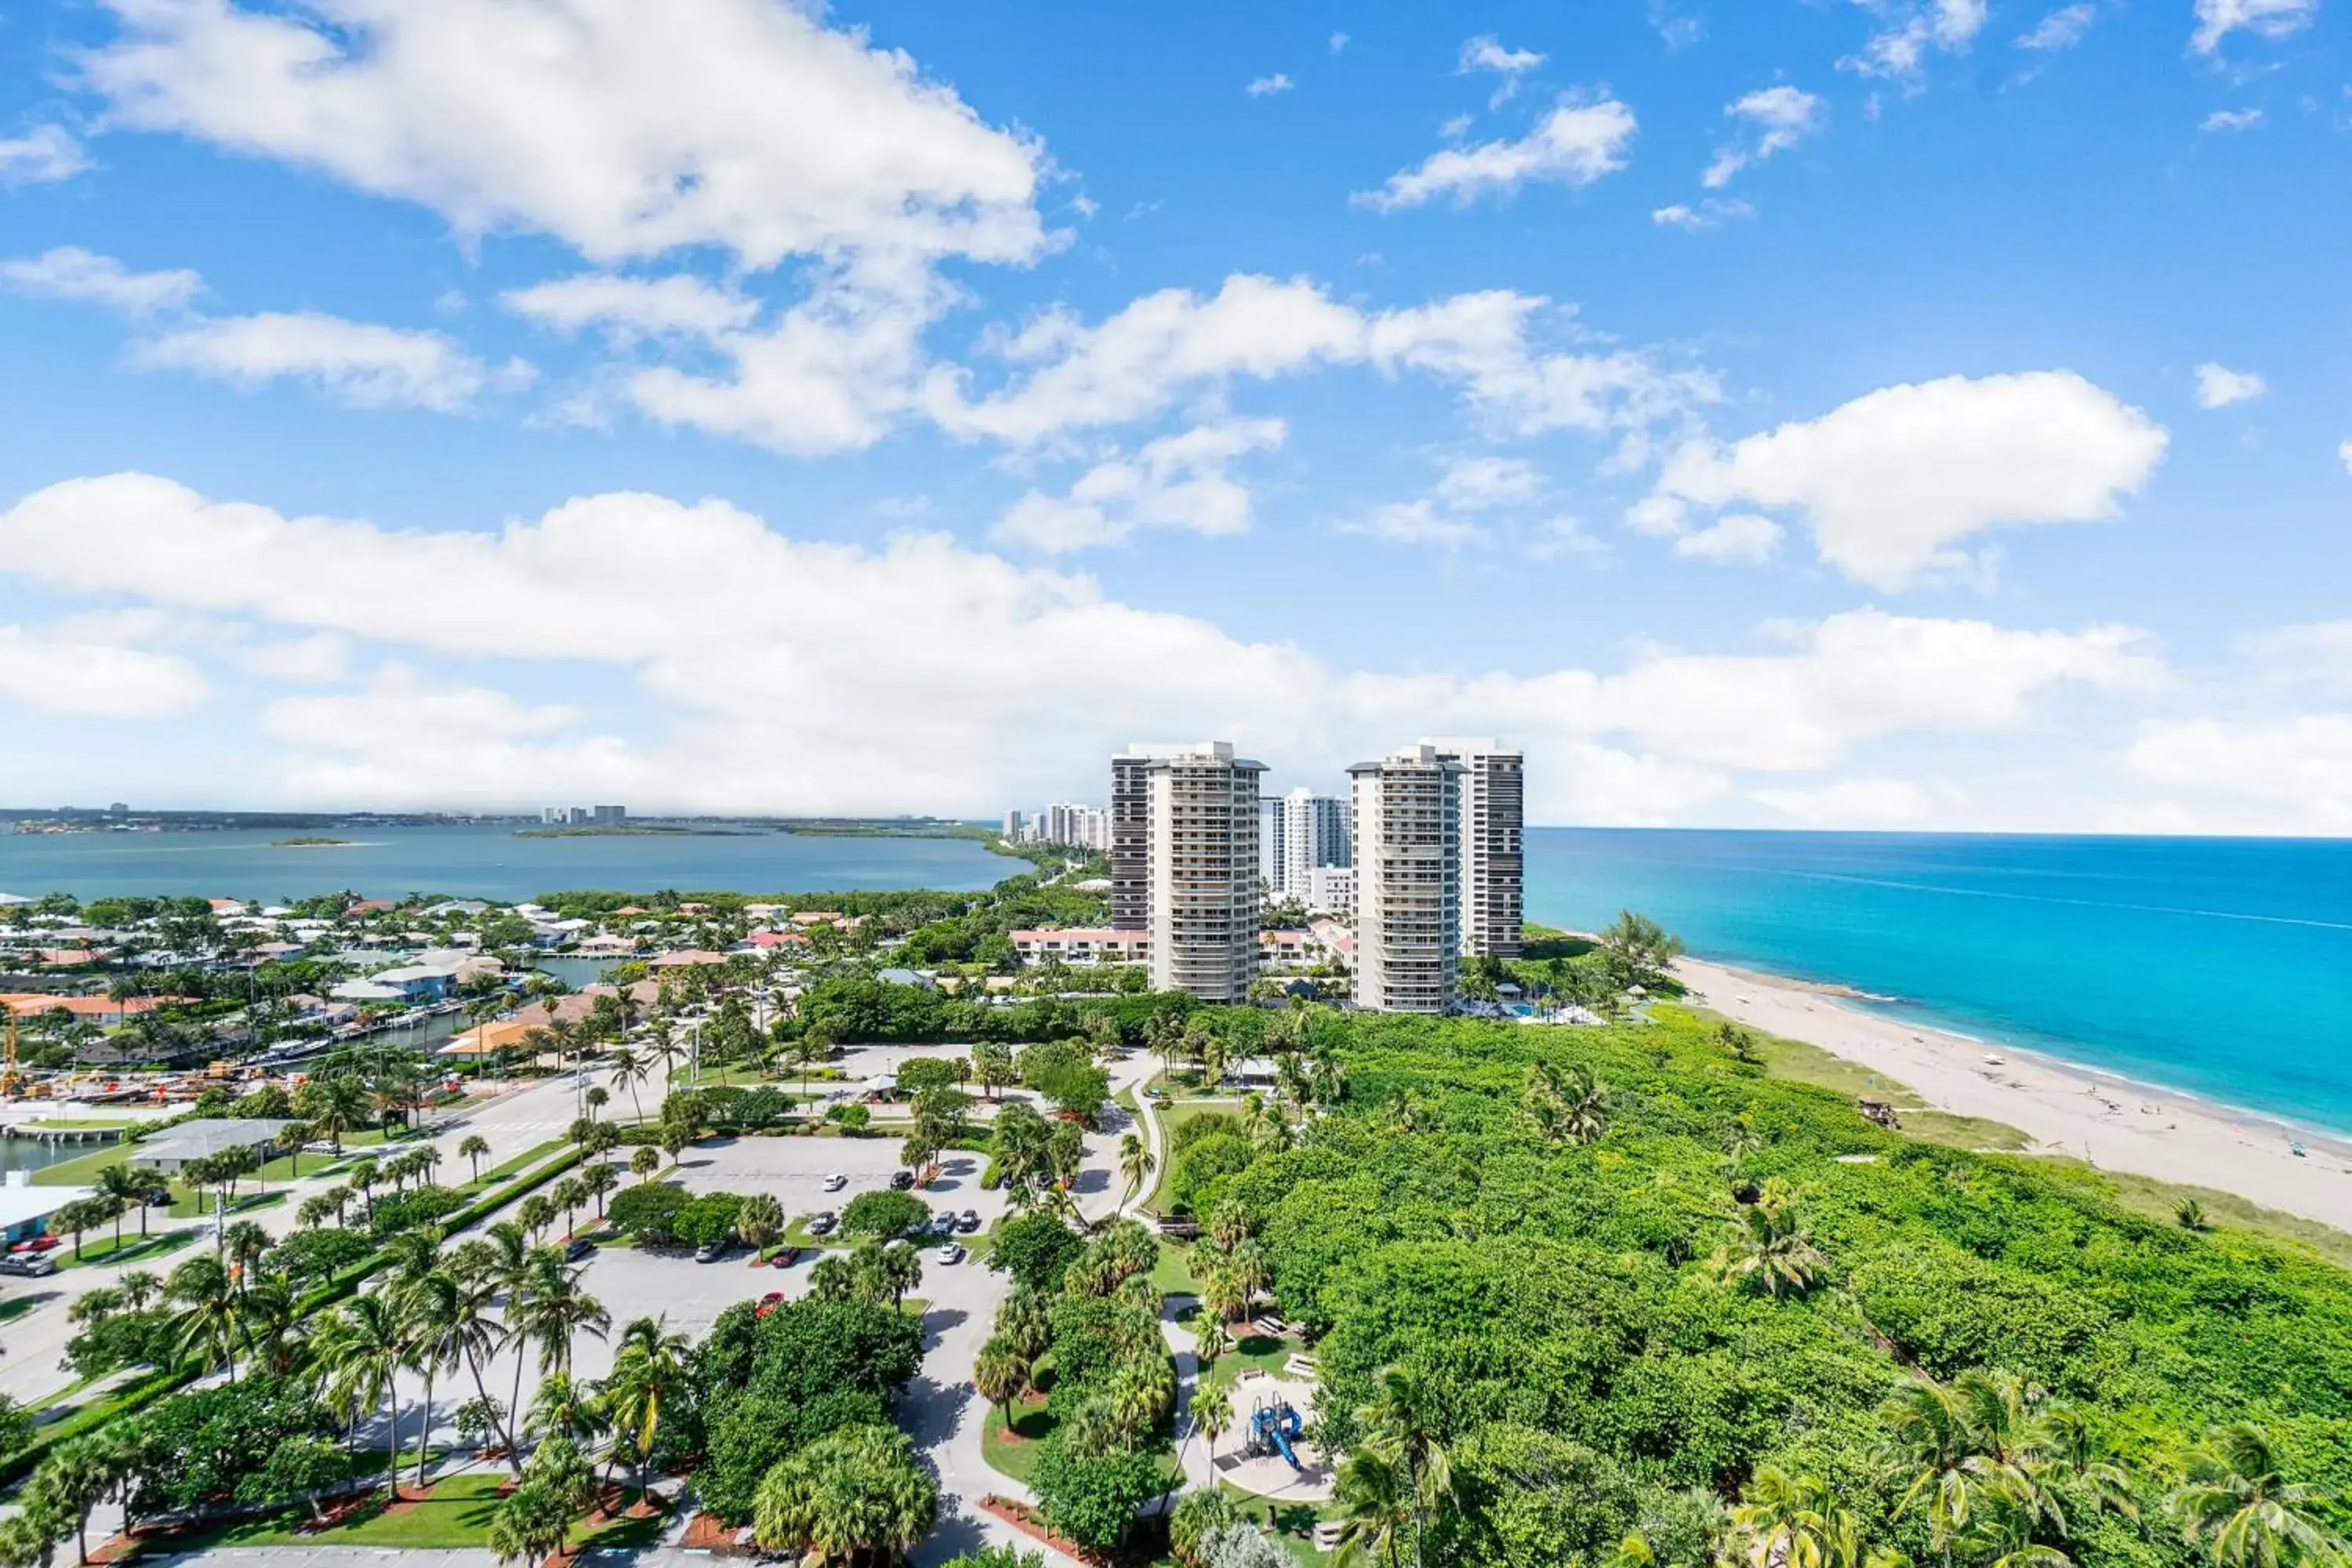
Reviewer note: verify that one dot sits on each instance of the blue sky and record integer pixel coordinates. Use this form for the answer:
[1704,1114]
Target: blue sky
[1773,414]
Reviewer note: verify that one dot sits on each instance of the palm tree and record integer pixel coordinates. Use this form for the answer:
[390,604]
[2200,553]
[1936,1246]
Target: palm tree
[1401,1424]
[1376,1507]
[429,1316]
[1210,1342]
[2236,1505]
[532,1524]
[628,1071]
[1000,1374]
[335,1105]
[1794,1521]
[207,1323]
[126,1189]
[1213,1414]
[599,1178]
[362,1346]
[1772,1247]
[651,1361]
[858,1490]
[1135,1162]
[470,1148]
[553,1309]
[475,1332]
[270,1320]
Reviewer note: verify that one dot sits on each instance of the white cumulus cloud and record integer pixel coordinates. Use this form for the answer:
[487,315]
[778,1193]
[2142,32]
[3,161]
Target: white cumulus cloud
[2217,20]
[1712,213]
[1413,523]
[1485,53]
[1889,483]
[2227,120]
[1852,804]
[2285,773]
[624,129]
[1174,343]
[69,272]
[55,671]
[1478,484]
[42,156]
[1742,538]
[2218,386]
[1264,86]
[1175,482]
[355,363]
[711,613]
[1781,117]
[632,308]
[1908,29]
[1575,144]
[2061,30]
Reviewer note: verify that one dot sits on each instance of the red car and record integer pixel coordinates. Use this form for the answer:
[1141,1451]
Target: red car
[786,1257]
[768,1304]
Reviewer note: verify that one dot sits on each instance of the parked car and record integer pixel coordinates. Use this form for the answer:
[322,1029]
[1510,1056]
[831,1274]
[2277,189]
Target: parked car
[902,1180]
[943,1223]
[836,1182]
[951,1253]
[823,1224]
[710,1252]
[31,1265]
[786,1257]
[580,1248]
[968,1221]
[768,1304]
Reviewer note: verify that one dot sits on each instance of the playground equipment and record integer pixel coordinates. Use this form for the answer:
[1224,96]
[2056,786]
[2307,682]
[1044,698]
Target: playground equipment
[1274,1425]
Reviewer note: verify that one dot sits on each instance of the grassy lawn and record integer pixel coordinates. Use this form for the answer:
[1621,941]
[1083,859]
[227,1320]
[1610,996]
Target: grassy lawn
[199,1205]
[454,1513]
[82,1170]
[1014,1454]
[1172,1275]
[523,1162]
[97,1249]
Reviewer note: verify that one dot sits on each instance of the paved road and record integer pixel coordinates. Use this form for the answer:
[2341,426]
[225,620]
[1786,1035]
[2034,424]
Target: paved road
[512,1119]
[941,1410]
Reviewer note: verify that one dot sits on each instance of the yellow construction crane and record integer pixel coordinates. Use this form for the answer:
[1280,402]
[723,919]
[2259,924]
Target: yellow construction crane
[12,1078]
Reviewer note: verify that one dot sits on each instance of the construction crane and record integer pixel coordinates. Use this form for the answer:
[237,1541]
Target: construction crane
[12,1078]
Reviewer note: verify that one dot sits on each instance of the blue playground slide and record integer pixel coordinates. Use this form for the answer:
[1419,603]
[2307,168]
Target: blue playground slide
[1275,1425]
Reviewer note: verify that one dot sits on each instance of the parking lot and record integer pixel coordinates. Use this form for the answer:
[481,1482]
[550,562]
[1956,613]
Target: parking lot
[634,1282]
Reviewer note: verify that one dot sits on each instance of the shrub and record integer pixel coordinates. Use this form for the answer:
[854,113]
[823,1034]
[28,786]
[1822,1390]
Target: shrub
[647,1211]
[884,1215]
[708,1218]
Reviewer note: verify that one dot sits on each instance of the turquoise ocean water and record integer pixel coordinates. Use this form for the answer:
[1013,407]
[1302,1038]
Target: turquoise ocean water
[486,862]
[2222,967]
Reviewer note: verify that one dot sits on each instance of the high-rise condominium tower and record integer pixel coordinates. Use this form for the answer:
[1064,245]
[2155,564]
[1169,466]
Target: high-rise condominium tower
[1494,826]
[1314,833]
[1408,855]
[1202,866]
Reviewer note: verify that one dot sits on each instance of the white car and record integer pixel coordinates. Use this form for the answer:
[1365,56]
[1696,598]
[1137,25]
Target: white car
[836,1182]
[951,1253]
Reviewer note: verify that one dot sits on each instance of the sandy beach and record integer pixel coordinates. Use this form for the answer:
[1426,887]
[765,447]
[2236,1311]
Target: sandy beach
[2110,1121]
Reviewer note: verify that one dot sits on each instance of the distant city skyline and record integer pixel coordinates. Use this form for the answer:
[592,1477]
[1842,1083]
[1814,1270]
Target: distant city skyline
[1877,414]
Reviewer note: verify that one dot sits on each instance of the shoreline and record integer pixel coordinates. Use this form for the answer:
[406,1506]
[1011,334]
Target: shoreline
[2110,1121]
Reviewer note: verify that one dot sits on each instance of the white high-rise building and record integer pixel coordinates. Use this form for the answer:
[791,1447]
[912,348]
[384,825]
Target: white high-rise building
[1011,828]
[1494,831]
[1330,890]
[1314,833]
[1198,862]
[1408,866]
[1271,861]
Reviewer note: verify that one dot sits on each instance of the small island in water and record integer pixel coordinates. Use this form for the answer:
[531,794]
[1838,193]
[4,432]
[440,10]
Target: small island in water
[311,841]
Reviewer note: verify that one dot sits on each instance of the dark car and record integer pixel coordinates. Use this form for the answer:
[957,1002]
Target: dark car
[579,1248]
[968,1221]
[902,1180]
[823,1224]
[944,1223]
